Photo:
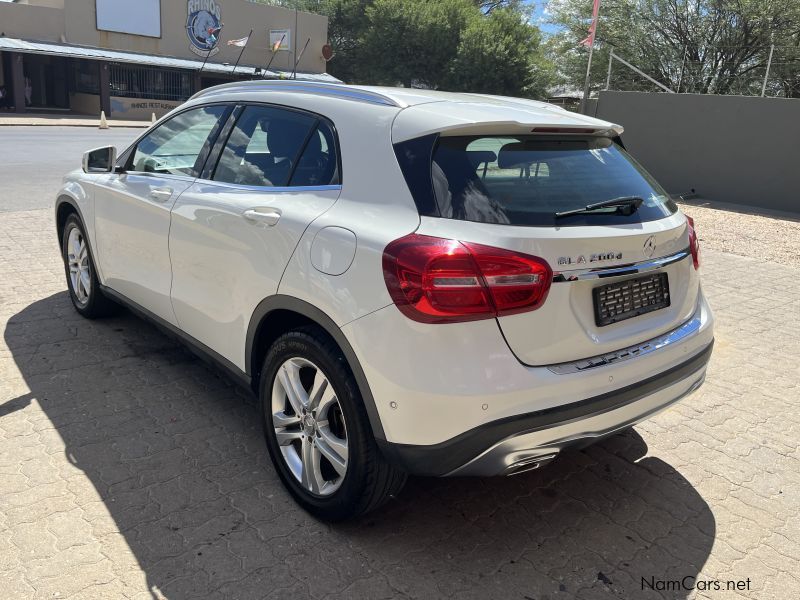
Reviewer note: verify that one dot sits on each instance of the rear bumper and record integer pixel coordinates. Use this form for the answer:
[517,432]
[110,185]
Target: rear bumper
[433,383]
[525,441]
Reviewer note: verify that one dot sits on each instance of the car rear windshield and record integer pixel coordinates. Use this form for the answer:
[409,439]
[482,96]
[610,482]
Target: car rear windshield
[526,180]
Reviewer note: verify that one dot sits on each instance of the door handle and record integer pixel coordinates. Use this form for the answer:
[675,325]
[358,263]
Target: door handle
[270,216]
[161,194]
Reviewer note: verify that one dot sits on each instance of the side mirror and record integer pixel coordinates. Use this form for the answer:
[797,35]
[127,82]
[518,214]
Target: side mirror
[100,160]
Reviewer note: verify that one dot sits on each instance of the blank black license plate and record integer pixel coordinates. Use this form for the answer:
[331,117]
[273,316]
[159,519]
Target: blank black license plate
[619,301]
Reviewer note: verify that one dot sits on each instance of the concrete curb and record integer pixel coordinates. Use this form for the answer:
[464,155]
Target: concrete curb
[32,120]
[111,125]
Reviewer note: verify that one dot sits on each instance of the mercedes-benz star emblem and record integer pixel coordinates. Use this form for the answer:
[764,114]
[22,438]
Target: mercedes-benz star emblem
[649,246]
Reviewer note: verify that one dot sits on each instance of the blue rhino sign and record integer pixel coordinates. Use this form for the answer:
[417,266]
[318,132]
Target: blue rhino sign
[203,25]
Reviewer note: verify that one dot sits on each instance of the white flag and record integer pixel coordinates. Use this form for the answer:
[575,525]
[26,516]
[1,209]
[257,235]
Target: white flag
[240,42]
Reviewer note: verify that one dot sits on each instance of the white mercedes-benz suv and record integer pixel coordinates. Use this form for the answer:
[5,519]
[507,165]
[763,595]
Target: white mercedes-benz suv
[410,281]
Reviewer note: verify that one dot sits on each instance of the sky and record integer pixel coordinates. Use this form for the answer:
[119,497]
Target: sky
[540,16]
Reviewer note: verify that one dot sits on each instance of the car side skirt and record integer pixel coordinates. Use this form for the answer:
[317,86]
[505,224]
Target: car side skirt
[244,379]
[198,348]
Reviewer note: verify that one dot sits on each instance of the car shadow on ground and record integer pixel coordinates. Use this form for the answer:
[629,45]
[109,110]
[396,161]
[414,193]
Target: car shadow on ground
[176,454]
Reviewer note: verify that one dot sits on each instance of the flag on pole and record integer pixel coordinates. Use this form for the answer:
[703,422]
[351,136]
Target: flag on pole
[213,36]
[277,45]
[241,42]
[589,41]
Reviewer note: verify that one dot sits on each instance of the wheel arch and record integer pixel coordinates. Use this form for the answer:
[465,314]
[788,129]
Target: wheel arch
[280,313]
[66,205]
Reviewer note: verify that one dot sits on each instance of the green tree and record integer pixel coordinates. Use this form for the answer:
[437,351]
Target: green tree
[488,6]
[706,46]
[347,22]
[461,45]
[413,42]
[502,38]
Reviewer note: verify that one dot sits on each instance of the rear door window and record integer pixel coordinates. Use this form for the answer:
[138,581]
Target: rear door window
[318,164]
[275,147]
[526,180]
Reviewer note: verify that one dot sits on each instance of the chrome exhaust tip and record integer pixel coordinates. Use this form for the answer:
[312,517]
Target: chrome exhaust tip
[528,464]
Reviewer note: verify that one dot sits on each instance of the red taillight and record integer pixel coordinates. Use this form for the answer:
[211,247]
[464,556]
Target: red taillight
[694,243]
[436,280]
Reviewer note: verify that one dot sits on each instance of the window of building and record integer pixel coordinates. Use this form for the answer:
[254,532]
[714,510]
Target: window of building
[174,147]
[143,82]
[272,147]
[86,77]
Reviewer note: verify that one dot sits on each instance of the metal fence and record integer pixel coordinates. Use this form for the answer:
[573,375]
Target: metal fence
[771,71]
[141,82]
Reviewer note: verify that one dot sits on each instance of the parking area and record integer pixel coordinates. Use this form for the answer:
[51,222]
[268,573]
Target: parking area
[129,469]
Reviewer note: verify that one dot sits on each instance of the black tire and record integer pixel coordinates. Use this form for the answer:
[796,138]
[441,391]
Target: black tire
[369,480]
[95,304]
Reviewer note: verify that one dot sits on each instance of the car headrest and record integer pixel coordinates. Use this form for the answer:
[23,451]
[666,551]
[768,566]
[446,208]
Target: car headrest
[513,155]
[285,136]
[478,157]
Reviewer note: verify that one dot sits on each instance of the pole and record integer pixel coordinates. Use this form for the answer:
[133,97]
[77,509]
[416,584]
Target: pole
[210,50]
[586,83]
[608,78]
[766,75]
[297,62]
[203,66]
[590,39]
[274,52]
[242,52]
[683,66]
[294,36]
[643,74]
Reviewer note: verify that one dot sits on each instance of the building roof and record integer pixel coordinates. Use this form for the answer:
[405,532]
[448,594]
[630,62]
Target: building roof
[73,51]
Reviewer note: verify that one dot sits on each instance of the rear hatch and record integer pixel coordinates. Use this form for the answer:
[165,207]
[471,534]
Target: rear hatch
[506,191]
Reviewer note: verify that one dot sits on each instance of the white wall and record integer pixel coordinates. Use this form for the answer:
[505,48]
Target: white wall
[142,17]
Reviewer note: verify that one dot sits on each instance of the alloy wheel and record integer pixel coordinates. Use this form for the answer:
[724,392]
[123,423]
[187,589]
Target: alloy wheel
[80,274]
[309,426]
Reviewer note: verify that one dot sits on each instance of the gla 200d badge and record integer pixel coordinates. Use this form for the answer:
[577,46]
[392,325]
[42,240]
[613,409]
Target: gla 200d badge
[593,258]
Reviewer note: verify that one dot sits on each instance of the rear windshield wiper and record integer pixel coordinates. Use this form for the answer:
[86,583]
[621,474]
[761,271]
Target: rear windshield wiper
[626,205]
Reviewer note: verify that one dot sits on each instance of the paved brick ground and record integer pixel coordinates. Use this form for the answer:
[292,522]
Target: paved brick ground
[129,469]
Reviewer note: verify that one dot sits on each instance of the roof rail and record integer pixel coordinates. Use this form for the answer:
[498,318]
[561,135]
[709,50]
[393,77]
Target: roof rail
[337,90]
